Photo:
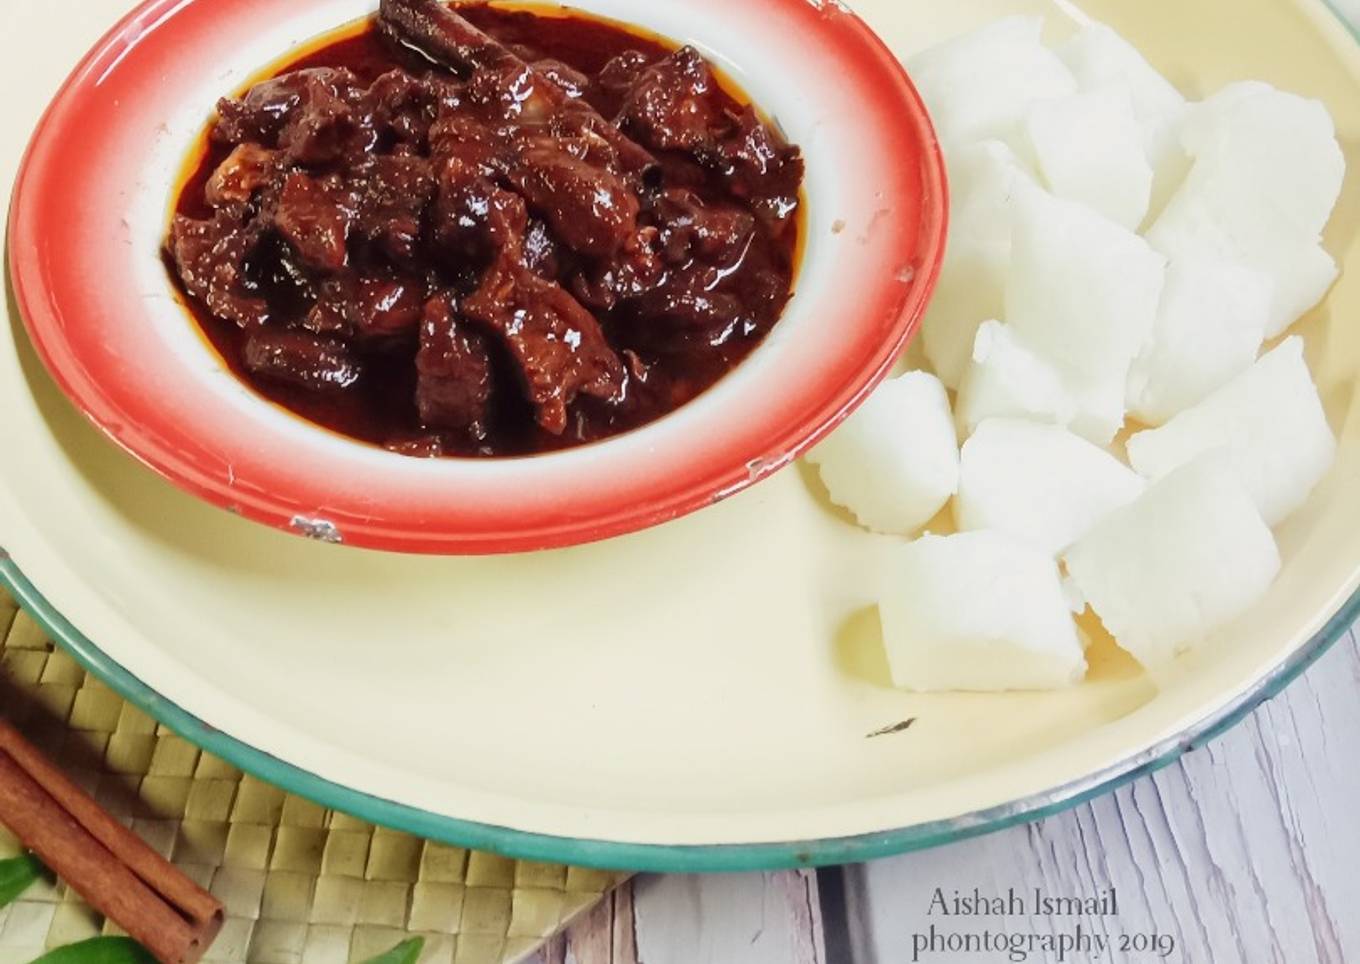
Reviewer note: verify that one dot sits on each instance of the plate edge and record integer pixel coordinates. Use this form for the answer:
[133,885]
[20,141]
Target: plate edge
[657,858]
[660,858]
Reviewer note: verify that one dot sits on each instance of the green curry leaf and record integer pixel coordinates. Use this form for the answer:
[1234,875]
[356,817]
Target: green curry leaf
[407,952]
[99,950]
[16,875]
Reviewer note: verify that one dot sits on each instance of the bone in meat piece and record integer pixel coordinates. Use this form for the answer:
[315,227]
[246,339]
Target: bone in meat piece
[443,36]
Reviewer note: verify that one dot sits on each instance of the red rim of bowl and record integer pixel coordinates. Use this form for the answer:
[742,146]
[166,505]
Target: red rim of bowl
[47,275]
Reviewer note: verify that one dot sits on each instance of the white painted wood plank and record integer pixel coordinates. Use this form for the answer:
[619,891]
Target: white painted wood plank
[761,918]
[729,919]
[605,935]
[1243,851]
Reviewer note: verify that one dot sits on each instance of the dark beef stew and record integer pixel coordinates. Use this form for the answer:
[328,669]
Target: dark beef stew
[476,231]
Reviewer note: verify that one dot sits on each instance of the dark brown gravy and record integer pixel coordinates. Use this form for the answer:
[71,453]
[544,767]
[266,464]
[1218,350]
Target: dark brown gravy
[680,364]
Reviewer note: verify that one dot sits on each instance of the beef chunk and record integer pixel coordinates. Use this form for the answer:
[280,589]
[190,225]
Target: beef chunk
[368,309]
[514,91]
[556,344]
[472,218]
[692,298]
[582,135]
[567,152]
[672,106]
[387,307]
[469,141]
[713,232]
[591,210]
[572,82]
[301,359]
[697,304]
[269,106]
[587,135]
[317,129]
[390,194]
[669,108]
[541,254]
[247,169]
[211,259]
[622,72]
[258,116]
[757,166]
[454,378]
[330,314]
[313,223]
[569,181]
[634,271]
[404,106]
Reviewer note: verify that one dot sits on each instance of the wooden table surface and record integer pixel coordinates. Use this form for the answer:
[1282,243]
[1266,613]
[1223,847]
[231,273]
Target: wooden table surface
[1242,852]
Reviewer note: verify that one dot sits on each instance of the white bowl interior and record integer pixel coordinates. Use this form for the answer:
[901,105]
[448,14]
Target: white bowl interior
[768,72]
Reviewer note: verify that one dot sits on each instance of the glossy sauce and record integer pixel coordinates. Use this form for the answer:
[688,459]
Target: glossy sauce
[380,408]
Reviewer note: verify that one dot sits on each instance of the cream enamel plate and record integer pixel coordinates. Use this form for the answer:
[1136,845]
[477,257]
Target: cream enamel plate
[696,696]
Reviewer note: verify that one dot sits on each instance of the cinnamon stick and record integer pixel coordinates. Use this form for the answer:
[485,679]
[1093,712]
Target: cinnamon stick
[107,864]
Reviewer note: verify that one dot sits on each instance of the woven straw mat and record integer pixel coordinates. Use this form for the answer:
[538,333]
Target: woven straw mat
[300,883]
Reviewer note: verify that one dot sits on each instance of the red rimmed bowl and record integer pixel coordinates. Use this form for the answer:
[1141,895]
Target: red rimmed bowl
[92,202]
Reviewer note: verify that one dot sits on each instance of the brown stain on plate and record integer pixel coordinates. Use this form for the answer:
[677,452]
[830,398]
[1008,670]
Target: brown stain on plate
[892,728]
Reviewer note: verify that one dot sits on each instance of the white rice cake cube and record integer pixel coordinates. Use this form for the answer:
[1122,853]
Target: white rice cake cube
[1301,271]
[894,463]
[1089,148]
[977,611]
[1270,421]
[1007,378]
[1040,484]
[1170,164]
[1081,290]
[978,85]
[1274,153]
[1268,171]
[1184,559]
[971,289]
[1098,57]
[1210,325]
[983,179]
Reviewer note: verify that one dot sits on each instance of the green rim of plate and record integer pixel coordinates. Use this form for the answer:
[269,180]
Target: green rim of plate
[698,858]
